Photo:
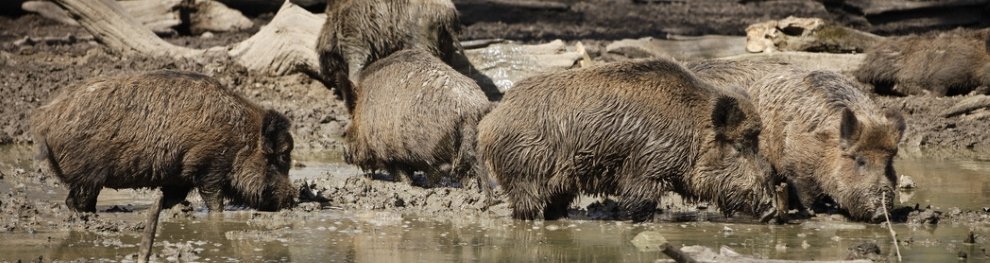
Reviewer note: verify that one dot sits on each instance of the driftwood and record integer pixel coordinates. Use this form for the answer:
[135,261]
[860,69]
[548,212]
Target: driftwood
[284,45]
[967,105]
[507,63]
[808,60]
[680,48]
[161,16]
[806,34]
[49,10]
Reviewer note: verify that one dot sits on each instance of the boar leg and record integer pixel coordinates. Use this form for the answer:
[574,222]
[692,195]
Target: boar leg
[82,198]
[402,175]
[638,205]
[525,205]
[173,195]
[557,206]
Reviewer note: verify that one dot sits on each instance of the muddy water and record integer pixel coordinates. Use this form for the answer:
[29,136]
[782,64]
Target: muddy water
[332,235]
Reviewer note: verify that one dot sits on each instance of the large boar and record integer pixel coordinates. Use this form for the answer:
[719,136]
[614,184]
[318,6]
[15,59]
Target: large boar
[632,129]
[947,63]
[828,138]
[415,113]
[359,32]
[167,129]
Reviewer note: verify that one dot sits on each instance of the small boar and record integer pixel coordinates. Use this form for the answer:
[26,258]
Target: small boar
[359,32]
[947,63]
[168,129]
[631,129]
[415,113]
[827,137]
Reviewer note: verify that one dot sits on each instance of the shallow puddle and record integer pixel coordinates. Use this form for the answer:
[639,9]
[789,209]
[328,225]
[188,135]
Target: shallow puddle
[369,236]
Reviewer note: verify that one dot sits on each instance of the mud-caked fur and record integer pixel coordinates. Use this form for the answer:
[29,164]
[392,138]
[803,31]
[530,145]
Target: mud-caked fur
[939,64]
[168,129]
[359,32]
[634,130]
[827,137]
[415,114]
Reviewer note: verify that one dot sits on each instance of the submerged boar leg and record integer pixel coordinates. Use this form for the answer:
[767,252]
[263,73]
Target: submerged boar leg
[525,205]
[173,195]
[557,206]
[82,198]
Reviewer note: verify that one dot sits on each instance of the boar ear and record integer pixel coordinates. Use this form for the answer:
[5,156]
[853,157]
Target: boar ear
[848,128]
[274,131]
[727,117]
[897,120]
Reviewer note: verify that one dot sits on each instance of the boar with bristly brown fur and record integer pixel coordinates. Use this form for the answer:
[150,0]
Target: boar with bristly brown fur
[415,113]
[827,137]
[635,130]
[165,129]
[359,32]
[938,64]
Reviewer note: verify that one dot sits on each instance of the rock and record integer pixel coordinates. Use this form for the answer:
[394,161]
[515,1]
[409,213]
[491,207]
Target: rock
[206,35]
[924,217]
[864,250]
[649,241]
[905,183]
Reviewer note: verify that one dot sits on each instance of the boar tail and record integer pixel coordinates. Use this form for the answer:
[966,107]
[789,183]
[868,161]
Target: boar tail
[45,157]
[466,163]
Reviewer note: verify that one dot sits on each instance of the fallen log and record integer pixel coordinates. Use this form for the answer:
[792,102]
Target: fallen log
[844,63]
[680,48]
[49,10]
[507,63]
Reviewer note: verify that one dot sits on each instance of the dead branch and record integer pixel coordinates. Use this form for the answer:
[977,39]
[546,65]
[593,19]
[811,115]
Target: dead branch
[150,227]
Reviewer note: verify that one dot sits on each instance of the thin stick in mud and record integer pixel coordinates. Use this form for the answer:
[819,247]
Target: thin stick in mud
[150,227]
[893,234]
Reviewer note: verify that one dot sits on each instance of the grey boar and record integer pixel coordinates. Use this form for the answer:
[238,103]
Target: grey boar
[947,63]
[359,32]
[168,129]
[415,113]
[827,137]
[634,130]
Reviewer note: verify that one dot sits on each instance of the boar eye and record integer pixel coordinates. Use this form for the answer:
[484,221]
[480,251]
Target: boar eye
[860,161]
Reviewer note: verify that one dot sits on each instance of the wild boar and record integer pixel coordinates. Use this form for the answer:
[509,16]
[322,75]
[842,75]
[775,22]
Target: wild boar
[634,130]
[359,32]
[820,132]
[415,113]
[168,129]
[947,63]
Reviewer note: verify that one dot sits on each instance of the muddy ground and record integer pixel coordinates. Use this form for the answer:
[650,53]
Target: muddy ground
[30,74]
